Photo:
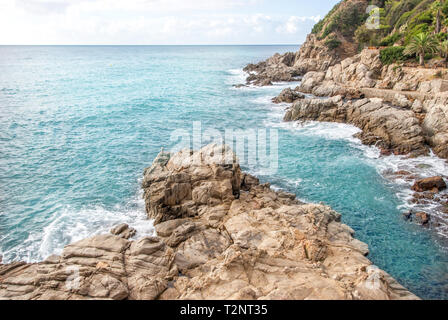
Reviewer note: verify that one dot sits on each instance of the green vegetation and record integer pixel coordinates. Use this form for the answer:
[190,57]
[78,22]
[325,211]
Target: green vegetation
[332,43]
[393,54]
[407,28]
[391,39]
[341,22]
[420,45]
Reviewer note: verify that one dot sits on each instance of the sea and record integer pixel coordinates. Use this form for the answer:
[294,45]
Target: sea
[79,124]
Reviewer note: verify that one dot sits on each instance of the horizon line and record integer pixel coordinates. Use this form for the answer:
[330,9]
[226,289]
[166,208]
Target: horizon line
[146,45]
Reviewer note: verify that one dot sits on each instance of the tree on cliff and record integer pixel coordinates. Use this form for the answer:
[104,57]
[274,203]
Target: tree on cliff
[436,9]
[420,45]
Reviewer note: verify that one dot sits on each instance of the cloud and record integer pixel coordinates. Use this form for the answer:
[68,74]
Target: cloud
[146,22]
[293,24]
[44,6]
[60,6]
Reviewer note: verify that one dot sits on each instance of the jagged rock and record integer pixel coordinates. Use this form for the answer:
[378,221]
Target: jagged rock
[429,184]
[310,80]
[221,235]
[417,106]
[276,68]
[288,95]
[401,101]
[248,181]
[314,55]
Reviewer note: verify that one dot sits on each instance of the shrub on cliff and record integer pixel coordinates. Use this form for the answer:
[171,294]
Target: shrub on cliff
[332,43]
[344,19]
[390,40]
[392,55]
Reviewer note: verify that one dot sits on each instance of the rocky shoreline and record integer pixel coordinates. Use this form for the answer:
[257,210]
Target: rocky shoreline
[401,110]
[220,235]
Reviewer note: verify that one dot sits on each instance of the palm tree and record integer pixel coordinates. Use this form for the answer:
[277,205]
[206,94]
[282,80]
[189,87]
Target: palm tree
[420,45]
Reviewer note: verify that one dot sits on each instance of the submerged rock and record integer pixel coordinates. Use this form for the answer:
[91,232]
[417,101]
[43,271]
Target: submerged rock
[221,235]
[422,218]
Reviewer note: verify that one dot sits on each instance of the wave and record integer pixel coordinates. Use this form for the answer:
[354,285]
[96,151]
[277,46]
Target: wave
[237,76]
[69,225]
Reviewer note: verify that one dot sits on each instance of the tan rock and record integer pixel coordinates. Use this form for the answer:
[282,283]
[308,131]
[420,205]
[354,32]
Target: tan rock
[235,239]
[429,184]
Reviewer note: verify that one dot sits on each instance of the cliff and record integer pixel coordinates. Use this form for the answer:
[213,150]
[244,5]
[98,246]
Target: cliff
[220,235]
[344,33]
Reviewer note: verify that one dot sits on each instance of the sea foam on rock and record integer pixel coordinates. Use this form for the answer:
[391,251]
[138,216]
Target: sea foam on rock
[221,235]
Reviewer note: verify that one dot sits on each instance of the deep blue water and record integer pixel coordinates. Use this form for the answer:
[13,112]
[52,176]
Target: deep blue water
[79,124]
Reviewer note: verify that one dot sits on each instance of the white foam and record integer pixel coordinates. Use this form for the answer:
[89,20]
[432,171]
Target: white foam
[69,225]
[327,130]
[237,76]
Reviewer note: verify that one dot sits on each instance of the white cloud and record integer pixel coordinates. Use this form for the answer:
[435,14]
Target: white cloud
[143,22]
[292,25]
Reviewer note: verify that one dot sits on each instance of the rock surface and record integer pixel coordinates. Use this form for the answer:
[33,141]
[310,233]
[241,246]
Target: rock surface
[313,55]
[288,95]
[277,68]
[123,230]
[434,184]
[221,235]
[390,128]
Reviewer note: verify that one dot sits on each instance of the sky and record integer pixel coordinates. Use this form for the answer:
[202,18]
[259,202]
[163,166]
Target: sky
[158,22]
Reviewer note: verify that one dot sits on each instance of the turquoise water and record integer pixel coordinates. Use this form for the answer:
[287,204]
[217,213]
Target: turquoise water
[79,124]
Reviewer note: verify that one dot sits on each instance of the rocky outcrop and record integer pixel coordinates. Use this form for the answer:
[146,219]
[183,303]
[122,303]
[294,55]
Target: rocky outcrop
[390,128]
[276,68]
[314,55]
[424,108]
[288,95]
[220,235]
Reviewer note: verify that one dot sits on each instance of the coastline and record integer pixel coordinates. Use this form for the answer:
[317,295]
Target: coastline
[93,267]
[241,241]
[401,113]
